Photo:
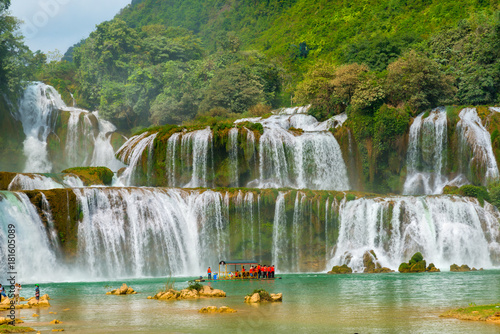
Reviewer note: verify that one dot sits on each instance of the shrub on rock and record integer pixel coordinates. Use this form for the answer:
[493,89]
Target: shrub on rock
[417,264]
[343,269]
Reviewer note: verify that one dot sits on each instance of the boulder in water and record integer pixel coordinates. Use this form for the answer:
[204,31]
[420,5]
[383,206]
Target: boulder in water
[55,322]
[416,265]
[44,301]
[123,290]
[208,291]
[462,268]
[432,268]
[343,269]
[254,298]
[372,265]
[189,293]
[261,295]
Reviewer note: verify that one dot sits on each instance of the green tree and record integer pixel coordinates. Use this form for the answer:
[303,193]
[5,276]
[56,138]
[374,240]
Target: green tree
[234,88]
[418,82]
[330,89]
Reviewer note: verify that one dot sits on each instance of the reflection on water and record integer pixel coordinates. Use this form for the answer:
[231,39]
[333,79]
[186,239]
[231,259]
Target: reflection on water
[359,303]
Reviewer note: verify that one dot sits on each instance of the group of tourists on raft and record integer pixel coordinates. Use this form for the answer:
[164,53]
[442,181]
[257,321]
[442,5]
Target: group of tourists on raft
[254,272]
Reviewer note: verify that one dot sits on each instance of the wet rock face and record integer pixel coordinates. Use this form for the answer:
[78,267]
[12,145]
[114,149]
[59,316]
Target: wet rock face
[372,265]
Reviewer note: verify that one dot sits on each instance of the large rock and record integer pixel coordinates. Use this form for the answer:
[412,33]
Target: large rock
[123,290]
[205,291]
[372,265]
[417,264]
[276,297]
[254,298]
[44,301]
[343,269]
[462,268]
[262,295]
[189,294]
[208,291]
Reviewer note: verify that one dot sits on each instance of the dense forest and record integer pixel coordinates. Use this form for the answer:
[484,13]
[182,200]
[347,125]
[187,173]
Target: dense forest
[169,62]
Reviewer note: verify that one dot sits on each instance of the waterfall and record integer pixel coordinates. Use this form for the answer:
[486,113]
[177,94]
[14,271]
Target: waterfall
[148,232]
[280,241]
[311,160]
[37,110]
[445,230]
[42,182]
[131,153]
[35,257]
[477,158]
[233,156]
[157,232]
[195,148]
[172,147]
[426,158]
[87,141]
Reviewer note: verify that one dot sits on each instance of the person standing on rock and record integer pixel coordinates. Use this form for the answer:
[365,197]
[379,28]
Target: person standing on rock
[17,289]
[2,292]
[209,271]
[37,293]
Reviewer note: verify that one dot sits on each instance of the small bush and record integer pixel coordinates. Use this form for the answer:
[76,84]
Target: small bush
[264,295]
[481,193]
[350,197]
[195,286]
[417,257]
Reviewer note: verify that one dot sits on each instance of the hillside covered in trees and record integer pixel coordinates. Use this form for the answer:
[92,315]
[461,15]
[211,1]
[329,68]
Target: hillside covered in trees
[169,62]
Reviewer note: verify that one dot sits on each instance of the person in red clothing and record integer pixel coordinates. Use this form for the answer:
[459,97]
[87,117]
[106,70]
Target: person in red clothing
[209,271]
[258,271]
[264,271]
[272,271]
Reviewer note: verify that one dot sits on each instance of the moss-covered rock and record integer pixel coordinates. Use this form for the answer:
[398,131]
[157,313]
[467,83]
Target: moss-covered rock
[372,265]
[5,179]
[92,176]
[417,264]
[343,269]
[462,268]
[432,268]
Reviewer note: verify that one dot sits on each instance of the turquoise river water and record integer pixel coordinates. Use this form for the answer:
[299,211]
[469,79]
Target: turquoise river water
[312,303]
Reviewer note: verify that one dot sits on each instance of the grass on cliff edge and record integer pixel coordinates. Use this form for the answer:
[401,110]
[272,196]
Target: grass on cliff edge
[476,312]
[15,329]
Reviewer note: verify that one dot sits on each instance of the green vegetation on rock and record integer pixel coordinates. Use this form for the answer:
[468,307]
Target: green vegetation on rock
[343,269]
[92,175]
[476,312]
[417,264]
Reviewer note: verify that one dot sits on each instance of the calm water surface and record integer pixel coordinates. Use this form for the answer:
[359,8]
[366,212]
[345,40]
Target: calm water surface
[319,303]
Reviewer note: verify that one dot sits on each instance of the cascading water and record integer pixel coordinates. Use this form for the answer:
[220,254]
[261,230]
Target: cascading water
[35,255]
[445,230]
[87,141]
[233,156]
[311,160]
[42,182]
[477,161]
[131,153]
[142,232]
[37,110]
[426,158]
